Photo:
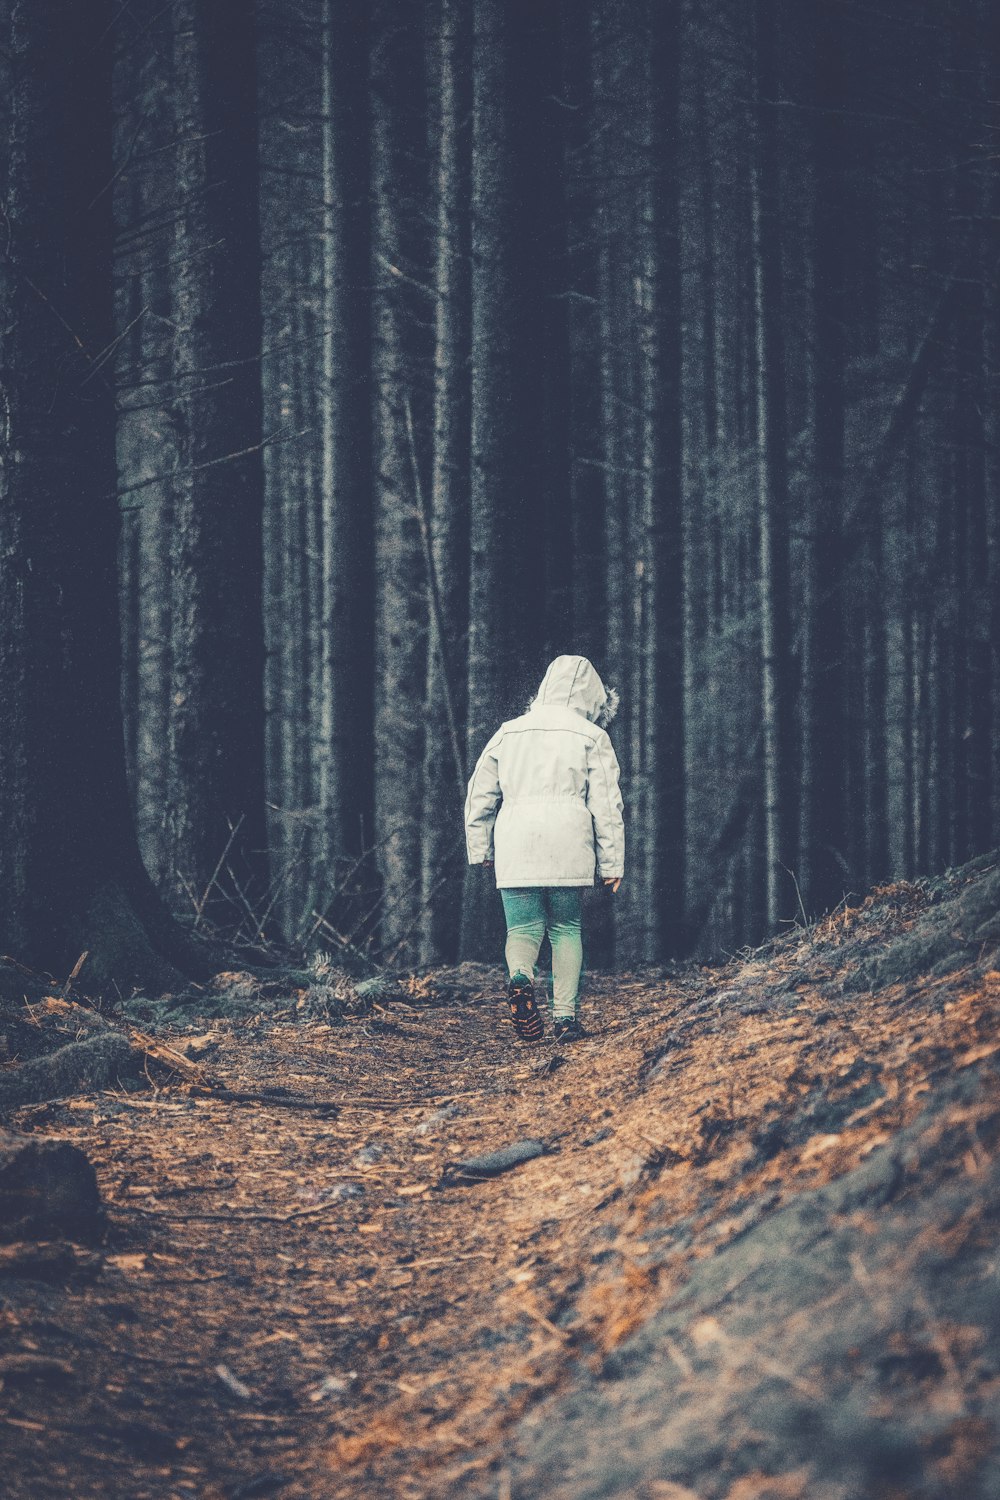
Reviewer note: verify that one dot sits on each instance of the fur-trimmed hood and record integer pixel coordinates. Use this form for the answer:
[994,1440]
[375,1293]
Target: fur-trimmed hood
[572,682]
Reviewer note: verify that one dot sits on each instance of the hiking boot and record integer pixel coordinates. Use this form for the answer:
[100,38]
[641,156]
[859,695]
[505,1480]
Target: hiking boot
[524,1012]
[568,1029]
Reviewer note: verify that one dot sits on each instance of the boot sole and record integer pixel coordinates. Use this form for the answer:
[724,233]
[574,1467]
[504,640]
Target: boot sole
[524,1013]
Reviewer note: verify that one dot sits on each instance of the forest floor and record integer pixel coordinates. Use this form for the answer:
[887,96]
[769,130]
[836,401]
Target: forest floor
[756,1261]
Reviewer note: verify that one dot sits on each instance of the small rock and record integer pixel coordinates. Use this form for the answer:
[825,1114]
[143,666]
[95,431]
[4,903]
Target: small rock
[436,1117]
[333,1385]
[479,1168]
[631,1171]
[368,1155]
[47,1188]
[343,1190]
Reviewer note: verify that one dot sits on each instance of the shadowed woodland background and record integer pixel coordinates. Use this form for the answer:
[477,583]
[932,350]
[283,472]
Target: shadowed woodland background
[355,359]
[416,343]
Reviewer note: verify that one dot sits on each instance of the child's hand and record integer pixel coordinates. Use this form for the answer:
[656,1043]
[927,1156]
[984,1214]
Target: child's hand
[614,881]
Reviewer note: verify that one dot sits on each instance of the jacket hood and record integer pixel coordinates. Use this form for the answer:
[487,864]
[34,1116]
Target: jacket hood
[572,682]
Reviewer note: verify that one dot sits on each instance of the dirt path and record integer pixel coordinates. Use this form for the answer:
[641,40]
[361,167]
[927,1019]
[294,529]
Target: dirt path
[292,1303]
[295,1302]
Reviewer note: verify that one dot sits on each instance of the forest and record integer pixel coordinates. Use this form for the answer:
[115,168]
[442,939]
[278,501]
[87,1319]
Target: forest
[359,356]
[357,359]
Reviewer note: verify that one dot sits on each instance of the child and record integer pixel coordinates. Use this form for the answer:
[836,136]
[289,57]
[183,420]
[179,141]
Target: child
[553,774]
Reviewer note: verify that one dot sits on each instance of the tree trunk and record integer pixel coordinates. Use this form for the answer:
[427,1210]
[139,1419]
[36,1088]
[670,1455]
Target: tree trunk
[291,134]
[979,323]
[662,642]
[217,650]
[772,478]
[347,641]
[543,295]
[990,378]
[582,296]
[144,202]
[400,563]
[70,874]
[616,431]
[448,522]
[581,291]
[505,579]
[823,858]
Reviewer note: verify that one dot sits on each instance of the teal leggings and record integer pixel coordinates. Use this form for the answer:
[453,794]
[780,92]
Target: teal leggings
[529,910]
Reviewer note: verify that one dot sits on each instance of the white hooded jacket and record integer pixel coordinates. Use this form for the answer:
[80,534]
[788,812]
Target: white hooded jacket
[544,800]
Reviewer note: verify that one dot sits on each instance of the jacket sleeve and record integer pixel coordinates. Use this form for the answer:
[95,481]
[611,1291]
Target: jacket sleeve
[604,799]
[481,803]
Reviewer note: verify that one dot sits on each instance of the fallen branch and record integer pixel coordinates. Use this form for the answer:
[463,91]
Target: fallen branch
[246,1096]
[232,1218]
[167,1056]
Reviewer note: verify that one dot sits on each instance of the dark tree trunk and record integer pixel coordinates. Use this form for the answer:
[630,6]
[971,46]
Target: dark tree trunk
[347,534]
[147,452]
[448,521]
[978,401]
[347,653]
[616,428]
[217,650]
[587,487]
[400,561]
[662,641]
[542,289]
[581,295]
[290,585]
[505,580]
[876,801]
[772,478]
[70,874]
[825,870]
[990,384]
